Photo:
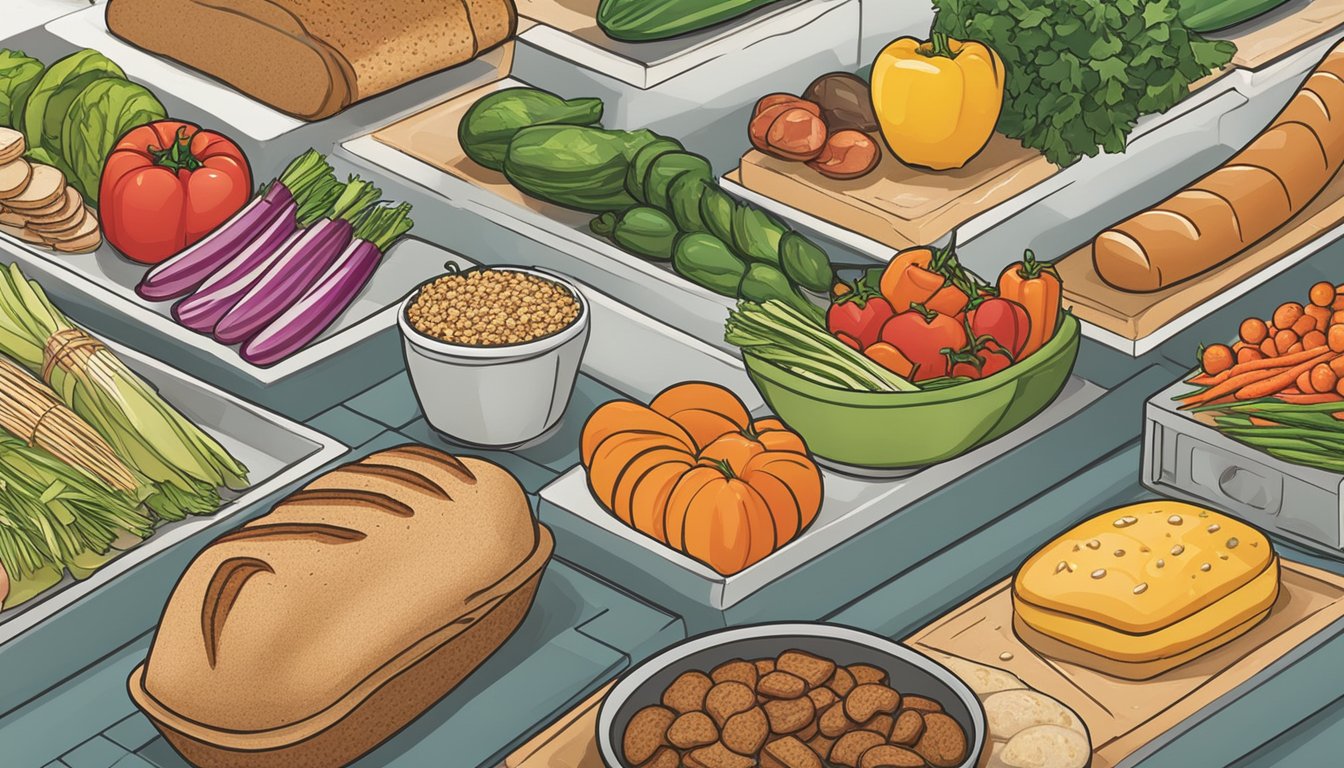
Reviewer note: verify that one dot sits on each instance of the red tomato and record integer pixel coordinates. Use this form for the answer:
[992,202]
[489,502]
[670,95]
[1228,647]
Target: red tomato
[860,317]
[168,184]
[993,358]
[1007,322]
[922,335]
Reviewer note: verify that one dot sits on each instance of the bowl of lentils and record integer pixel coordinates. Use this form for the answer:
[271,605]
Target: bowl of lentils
[493,352]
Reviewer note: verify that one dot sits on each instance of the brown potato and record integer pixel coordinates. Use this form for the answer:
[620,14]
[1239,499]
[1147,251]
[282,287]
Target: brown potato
[867,673]
[718,756]
[833,722]
[920,704]
[822,698]
[847,154]
[908,728]
[665,757]
[842,682]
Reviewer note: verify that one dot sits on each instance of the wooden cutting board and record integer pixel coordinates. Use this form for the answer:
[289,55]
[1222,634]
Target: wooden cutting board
[1125,715]
[1293,25]
[1137,315]
[897,205]
[431,137]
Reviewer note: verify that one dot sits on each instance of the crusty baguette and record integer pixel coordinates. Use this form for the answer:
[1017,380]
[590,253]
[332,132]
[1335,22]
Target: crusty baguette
[1222,214]
[314,58]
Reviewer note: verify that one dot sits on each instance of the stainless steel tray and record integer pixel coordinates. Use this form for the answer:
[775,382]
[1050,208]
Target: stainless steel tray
[74,623]
[1191,460]
[640,356]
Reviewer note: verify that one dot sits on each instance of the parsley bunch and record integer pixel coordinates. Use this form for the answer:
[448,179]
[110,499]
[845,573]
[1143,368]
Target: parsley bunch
[1080,73]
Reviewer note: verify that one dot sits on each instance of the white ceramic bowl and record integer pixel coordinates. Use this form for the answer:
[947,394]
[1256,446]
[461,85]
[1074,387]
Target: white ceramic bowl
[500,396]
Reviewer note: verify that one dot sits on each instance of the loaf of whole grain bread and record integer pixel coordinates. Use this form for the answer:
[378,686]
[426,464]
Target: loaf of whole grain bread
[314,58]
[315,632]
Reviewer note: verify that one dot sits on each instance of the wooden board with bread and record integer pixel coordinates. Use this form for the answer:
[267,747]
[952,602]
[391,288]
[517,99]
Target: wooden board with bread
[312,59]
[348,577]
[1144,618]
[1264,205]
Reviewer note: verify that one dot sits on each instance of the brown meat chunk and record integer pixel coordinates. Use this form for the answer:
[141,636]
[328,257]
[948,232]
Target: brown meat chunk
[687,692]
[842,682]
[691,730]
[789,752]
[822,698]
[727,699]
[790,715]
[871,699]
[814,670]
[646,733]
[867,673]
[782,685]
[852,745]
[943,743]
[665,757]
[737,670]
[718,756]
[887,756]
[746,732]
[834,723]
[908,728]
[921,704]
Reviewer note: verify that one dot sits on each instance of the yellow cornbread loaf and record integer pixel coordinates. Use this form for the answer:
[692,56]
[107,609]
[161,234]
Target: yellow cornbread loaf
[1160,581]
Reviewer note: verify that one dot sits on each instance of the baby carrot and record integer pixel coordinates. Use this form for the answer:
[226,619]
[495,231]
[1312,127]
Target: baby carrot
[1312,399]
[1266,386]
[1261,364]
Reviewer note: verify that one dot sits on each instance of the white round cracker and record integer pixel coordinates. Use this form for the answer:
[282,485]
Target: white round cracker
[1010,712]
[1046,746]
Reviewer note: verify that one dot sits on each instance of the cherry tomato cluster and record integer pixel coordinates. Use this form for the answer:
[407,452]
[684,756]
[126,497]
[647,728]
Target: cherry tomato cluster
[925,317]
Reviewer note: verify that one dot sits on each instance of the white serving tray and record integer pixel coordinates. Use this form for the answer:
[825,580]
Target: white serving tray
[640,357]
[58,632]
[1192,460]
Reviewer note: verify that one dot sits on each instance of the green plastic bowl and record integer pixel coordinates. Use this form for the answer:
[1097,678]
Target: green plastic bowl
[900,430]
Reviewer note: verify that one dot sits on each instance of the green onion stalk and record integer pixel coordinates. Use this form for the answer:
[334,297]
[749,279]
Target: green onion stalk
[186,465]
[778,333]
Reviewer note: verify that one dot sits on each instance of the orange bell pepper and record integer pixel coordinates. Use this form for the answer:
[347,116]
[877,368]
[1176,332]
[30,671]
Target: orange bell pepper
[1038,289]
[950,301]
[908,280]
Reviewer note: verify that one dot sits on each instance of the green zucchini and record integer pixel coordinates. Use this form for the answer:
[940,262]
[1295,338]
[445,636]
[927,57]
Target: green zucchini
[684,194]
[646,232]
[1211,15]
[708,262]
[640,162]
[716,209]
[487,128]
[641,20]
[576,166]
[665,169]
[756,236]
[805,263]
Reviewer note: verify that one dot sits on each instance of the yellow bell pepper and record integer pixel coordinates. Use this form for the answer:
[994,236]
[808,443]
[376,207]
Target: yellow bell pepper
[937,102]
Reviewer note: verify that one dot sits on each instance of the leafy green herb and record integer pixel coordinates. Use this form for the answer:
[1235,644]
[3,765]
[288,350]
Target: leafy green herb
[1080,73]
